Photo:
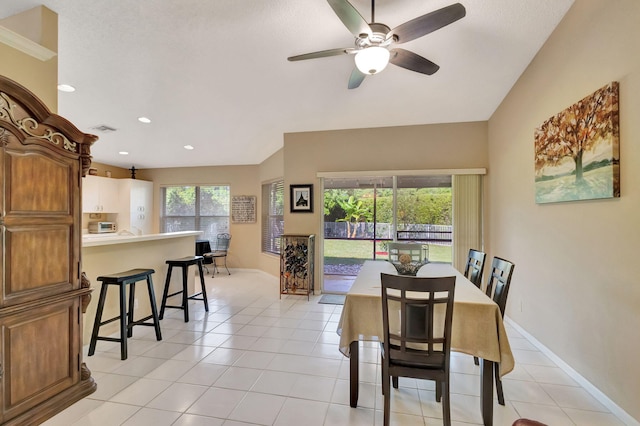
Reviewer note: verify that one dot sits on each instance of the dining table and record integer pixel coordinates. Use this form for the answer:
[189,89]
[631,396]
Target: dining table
[477,326]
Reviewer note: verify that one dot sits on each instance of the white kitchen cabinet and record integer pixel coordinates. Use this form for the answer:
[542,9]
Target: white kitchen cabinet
[136,206]
[100,195]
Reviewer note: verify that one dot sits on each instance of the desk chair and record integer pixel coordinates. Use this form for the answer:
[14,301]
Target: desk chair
[220,252]
[475,267]
[417,334]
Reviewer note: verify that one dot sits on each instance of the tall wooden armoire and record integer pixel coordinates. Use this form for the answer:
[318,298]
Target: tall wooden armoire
[43,159]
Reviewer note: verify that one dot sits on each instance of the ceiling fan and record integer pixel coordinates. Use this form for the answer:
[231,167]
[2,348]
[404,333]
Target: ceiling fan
[373,46]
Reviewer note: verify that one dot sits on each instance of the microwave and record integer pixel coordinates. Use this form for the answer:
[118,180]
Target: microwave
[102,227]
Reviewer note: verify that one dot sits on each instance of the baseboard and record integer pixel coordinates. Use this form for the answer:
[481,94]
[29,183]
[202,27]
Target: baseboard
[588,386]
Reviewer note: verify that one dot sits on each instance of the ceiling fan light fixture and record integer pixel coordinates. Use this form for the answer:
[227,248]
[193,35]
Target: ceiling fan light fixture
[372,60]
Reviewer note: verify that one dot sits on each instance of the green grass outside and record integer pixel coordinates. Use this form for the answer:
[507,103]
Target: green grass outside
[350,252]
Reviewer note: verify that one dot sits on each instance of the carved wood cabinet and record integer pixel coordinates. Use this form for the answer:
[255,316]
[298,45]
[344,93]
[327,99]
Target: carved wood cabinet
[43,159]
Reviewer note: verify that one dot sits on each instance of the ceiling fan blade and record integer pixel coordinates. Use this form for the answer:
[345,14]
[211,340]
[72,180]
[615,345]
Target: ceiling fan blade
[411,61]
[350,17]
[323,54]
[356,78]
[428,23]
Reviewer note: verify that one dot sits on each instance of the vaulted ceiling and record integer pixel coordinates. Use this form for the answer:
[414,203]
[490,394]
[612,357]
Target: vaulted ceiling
[215,75]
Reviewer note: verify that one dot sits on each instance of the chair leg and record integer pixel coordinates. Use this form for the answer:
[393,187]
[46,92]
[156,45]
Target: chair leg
[438,391]
[225,265]
[185,294]
[123,321]
[394,380]
[96,322]
[386,391]
[204,287]
[498,383]
[132,303]
[154,309]
[165,293]
[446,404]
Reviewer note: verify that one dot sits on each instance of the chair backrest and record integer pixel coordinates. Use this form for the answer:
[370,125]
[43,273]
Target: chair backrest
[222,242]
[416,316]
[475,267]
[418,252]
[499,282]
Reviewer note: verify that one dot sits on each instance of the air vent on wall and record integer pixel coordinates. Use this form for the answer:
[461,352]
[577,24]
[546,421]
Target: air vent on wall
[104,128]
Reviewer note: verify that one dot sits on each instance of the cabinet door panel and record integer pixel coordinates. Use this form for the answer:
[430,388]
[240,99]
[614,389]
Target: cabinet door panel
[49,267]
[37,184]
[39,356]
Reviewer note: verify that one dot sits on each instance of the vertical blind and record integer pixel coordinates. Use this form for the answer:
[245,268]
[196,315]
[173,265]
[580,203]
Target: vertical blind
[467,217]
[272,216]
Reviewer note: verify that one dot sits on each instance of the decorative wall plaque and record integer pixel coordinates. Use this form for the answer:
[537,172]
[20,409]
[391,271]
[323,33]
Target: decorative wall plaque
[243,209]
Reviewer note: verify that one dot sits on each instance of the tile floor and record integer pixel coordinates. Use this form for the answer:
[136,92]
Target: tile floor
[255,359]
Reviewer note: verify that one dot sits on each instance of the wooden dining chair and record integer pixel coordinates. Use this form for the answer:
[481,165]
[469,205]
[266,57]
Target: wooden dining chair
[416,316]
[475,267]
[498,289]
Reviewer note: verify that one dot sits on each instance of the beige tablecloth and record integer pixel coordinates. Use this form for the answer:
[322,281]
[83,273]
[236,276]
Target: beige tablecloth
[477,324]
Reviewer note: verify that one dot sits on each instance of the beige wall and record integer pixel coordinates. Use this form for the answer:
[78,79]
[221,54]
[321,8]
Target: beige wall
[575,283]
[39,77]
[245,243]
[437,146]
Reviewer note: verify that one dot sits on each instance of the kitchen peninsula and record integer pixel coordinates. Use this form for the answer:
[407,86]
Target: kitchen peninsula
[104,254]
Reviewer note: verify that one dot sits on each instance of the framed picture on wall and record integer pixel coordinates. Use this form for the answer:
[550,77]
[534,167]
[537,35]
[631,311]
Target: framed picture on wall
[301,198]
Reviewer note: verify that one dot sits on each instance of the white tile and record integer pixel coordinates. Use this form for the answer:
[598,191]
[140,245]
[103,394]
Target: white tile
[212,339]
[590,418]
[550,375]
[258,408]
[171,369]
[151,417]
[239,342]
[217,402]
[139,366]
[547,414]
[223,356]
[366,394]
[531,357]
[296,412]
[178,397]
[203,374]
[573,397]
[516,390]
[275,383]
[73,413]
[313,387]
[108,414]
[254,359]
[193,420]
[111,384]
[238,378]
[140,392]
[343,415]
[193,353]
[165,350]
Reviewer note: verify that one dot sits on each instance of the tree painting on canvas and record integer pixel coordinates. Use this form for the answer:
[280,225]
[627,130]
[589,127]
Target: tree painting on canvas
[577,155]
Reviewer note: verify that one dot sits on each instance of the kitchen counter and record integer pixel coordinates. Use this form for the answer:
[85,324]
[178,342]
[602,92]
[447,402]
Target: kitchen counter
[93,240]
[104,254]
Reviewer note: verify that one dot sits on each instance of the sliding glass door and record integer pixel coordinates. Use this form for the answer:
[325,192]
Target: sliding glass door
[361,215]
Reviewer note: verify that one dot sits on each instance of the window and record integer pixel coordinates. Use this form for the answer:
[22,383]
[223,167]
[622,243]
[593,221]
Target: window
[272,216]
[196,208]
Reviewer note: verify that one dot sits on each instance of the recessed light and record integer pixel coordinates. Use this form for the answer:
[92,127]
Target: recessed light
[188,147]
[66,88]
[123,153]
[144,120]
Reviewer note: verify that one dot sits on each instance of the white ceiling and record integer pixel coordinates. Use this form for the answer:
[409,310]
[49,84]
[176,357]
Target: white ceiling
[214,73]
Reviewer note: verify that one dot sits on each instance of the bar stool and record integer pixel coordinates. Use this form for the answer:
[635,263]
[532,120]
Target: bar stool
[184,263]
[122,279]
